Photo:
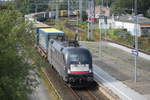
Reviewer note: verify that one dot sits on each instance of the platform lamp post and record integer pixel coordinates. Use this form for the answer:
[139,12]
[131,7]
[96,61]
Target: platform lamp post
[100,34]
[101,23]
[136,40]
[100,38]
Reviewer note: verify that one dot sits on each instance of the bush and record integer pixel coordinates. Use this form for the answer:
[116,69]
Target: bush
[120,36]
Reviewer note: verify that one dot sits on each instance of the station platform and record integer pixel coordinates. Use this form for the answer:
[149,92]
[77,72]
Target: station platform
[114,68]
[117,87]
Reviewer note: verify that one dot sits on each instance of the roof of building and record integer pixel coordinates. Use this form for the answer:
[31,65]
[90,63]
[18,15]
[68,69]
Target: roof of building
[131,19]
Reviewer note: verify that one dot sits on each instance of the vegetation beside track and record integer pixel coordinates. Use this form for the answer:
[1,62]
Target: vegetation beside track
[16,68]
[19,61]
[52,91]
[120,36]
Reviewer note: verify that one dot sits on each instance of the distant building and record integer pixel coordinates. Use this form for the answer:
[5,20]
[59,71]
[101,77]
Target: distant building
[128,23]
[102,10]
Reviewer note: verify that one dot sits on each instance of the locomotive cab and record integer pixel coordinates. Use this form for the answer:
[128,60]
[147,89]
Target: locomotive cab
[79,69]
[73,62]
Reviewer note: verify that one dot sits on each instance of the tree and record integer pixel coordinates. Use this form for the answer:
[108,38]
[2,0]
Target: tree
[15,66]
[122,6]
[30,6]
[126,6]
[105,2]
[144,6]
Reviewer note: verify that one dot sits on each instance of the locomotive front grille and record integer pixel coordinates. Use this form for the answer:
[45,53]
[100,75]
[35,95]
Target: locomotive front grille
[80,78]
[79,67]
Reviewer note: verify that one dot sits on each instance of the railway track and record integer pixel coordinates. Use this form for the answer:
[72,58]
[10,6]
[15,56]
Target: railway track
[84,94]
[87,94]
[79,93]
[72,27]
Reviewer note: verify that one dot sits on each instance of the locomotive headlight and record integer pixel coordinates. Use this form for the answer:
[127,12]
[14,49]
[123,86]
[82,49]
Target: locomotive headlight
[69,71]
[72,65]
[86,65]
[90,70]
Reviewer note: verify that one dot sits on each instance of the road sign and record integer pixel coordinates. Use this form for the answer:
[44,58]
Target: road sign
[135,52]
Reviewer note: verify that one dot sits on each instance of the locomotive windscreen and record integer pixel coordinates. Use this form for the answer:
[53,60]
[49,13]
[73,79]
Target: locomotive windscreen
[79,58]
[80,61]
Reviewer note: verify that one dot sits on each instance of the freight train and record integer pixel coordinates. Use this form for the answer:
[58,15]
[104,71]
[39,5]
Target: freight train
[72,61]
[42,16]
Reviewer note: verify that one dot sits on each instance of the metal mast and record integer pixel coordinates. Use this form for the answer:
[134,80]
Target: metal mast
[80,7]
[57,10]
[68,8]
[136,40]
[90,18]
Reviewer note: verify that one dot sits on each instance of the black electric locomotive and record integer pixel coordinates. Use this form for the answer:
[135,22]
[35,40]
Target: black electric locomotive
[72,61]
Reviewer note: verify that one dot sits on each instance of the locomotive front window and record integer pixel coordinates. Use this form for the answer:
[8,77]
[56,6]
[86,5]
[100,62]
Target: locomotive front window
[78,58]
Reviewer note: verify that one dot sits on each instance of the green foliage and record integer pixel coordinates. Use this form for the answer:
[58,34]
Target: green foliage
[7,5]
[143,6]
[122,6]
[148,13]
[82,25]
[112,33]
[144,43]
[15,62]
[120,36]
[117,32]
[125,6]
[31,6]
[105,2]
